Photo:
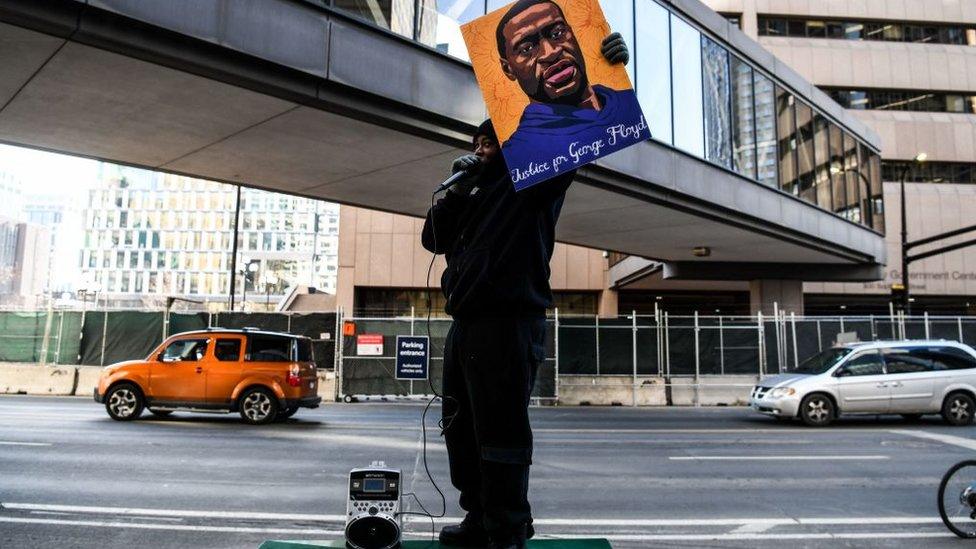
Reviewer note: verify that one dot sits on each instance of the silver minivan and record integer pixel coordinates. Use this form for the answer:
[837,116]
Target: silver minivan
[910,378]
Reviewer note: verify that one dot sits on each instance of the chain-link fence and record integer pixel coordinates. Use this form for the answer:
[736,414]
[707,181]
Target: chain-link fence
[637,356]
[657,352]
[45,337]
[98,338]
[372,373]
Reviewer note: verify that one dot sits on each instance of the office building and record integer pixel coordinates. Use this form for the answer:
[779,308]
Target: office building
[149,235]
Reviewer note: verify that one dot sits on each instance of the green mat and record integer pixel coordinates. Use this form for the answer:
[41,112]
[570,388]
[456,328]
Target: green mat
[533,544]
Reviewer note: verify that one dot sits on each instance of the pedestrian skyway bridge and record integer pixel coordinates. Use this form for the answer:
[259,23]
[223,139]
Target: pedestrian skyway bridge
[294,97]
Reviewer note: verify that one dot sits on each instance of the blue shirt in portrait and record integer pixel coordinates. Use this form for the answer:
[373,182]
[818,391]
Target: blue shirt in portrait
[552,138]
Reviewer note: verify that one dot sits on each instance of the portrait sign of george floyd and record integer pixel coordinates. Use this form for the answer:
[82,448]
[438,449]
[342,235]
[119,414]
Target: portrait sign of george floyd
[554,100]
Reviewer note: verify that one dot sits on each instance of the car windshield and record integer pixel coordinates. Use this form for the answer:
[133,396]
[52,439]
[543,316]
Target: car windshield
[822,361]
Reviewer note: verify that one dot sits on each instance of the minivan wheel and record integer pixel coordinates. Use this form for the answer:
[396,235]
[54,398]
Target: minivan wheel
[124,402]
[817,410]
[958,409]
[258,406]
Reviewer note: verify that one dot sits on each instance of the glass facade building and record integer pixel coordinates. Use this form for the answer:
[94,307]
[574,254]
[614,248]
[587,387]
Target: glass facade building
[701,97]
[156,234]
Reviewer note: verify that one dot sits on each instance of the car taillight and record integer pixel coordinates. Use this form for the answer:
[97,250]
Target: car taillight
[293,378]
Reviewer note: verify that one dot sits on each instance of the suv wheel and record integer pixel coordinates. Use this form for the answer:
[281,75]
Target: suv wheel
[958,409]
[258,406]
[124,402]
[817,410]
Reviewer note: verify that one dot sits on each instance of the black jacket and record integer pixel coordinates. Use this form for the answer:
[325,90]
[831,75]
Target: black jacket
[498,244]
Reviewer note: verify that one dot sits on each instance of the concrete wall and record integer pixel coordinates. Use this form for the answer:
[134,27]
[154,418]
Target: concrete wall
[611,391]
[943,136]
[765,295]
[877,64]
[944,11]
[32,379]
[729,390]
[712,390]
[932,209]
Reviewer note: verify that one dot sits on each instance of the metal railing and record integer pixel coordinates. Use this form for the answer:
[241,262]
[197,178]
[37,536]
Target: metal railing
[680,351]
[643,352]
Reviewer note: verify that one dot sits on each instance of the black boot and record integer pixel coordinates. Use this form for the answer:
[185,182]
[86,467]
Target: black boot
[470,533]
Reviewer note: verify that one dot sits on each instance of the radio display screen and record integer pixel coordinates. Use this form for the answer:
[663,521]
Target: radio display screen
[374,485]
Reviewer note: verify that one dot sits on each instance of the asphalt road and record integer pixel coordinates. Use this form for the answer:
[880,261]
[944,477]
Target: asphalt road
[721,477]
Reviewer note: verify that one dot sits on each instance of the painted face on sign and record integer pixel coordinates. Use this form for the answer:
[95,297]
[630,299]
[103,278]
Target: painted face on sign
[542,54]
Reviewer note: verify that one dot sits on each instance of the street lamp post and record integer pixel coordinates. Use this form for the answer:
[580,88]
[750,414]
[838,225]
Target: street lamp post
[905,303]
[250,268]
[269,280]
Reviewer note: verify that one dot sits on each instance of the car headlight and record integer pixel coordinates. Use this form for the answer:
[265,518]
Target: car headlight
[781,392]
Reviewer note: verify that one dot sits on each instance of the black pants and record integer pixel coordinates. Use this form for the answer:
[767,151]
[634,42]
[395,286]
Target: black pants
[490,365]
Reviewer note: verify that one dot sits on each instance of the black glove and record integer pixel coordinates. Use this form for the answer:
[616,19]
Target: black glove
[472,165]
[614,49]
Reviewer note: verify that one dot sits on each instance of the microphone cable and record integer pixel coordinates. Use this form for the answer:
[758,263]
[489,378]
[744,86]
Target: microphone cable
[445,422]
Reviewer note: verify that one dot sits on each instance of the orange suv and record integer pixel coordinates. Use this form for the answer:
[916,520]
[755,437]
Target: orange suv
[263,375]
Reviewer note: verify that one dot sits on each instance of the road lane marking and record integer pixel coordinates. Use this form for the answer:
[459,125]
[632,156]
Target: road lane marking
[848,521]
[600,441]
[179,527]
[12,443]
[707,431]
[761,537]
[952,440]
[775,458]
[424,534]
[135,511]
[359,440]
[591,522]
[754,528]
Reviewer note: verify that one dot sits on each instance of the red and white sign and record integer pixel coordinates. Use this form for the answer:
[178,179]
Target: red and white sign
[369,344]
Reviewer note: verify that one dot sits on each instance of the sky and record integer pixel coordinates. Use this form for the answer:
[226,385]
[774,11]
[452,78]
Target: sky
[48,173]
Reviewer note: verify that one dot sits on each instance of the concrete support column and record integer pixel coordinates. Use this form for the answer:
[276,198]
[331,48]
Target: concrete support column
[607,307]
[787,293]
[346,275]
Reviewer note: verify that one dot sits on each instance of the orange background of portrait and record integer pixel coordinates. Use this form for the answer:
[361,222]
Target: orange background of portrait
[504,98]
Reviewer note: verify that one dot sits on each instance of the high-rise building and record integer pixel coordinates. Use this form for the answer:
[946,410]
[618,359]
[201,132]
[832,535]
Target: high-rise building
[908,70]
[25,251]
[148,235]
[25,254]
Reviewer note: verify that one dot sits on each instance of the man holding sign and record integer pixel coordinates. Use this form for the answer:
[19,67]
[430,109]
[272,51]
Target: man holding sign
[498,243]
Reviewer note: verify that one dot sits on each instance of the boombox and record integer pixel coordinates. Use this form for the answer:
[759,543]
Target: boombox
[373,508]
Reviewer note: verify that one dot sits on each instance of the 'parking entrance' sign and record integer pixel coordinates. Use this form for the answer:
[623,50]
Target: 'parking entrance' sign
[412,357]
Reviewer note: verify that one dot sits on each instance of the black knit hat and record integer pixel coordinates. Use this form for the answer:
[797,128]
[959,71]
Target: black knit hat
[486,129]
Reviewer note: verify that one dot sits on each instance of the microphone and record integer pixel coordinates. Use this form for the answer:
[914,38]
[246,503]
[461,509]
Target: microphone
[450,181]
